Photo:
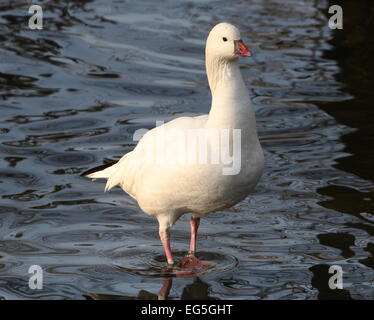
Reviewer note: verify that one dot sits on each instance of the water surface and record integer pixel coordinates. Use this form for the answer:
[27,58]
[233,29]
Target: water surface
[72,96]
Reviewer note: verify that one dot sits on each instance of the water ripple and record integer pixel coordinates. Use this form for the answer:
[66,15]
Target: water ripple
[73,95]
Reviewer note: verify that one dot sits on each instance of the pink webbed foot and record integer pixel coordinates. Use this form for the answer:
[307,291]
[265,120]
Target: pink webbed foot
[190,261]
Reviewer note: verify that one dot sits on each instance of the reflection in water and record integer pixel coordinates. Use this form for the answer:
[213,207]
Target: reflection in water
[197,290]
[143,294]
[353,49]
[74,94]
[341,241]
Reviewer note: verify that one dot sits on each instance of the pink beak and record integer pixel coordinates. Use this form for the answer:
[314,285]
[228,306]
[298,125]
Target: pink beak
[241,49]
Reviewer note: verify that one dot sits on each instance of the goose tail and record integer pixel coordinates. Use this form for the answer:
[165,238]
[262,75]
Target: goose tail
[102,172]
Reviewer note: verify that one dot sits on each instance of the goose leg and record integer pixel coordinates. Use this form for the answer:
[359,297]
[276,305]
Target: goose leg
[165,239]
[194,222]
[190,261]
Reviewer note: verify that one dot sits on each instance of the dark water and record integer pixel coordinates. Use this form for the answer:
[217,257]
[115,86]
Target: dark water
[73,94]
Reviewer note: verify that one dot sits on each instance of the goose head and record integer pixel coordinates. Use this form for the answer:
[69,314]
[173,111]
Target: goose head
[224,42]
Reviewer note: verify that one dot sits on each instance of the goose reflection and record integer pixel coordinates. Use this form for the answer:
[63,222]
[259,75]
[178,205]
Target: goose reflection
[197,290]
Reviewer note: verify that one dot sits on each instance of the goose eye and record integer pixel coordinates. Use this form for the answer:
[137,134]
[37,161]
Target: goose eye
[224,39]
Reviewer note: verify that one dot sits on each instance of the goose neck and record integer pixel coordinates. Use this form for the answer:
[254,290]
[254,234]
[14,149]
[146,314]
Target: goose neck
[224,76]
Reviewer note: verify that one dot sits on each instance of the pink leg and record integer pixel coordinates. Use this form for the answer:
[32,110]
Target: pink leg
[189,261]
[194,222]
[165,239]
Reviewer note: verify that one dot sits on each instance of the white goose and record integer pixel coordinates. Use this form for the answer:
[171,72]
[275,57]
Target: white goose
[168,189]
